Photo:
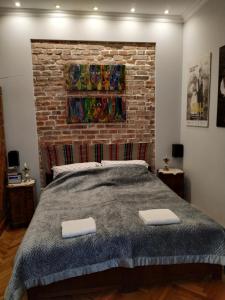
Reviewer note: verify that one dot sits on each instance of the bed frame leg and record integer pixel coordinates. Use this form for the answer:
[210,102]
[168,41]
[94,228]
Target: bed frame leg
[218,272]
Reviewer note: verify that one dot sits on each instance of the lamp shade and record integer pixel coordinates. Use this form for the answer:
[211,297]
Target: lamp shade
[177,150]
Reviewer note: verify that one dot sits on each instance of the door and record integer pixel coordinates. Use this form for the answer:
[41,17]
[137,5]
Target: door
[2,162]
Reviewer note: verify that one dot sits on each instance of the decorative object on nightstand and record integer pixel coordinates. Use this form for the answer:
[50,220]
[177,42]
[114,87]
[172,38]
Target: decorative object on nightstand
[166,161]
[174,178]
[20,199]
[14,175]
[26,173]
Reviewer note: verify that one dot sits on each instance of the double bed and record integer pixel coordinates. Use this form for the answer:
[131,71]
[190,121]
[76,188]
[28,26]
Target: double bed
[123,250]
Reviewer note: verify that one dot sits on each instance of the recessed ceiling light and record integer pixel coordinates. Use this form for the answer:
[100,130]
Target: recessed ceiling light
[57,6]
[132,9]
[17,4]
[166,12]
[95,8]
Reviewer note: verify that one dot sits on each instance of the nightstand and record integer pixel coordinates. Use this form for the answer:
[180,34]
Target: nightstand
[174,178]
[20,199]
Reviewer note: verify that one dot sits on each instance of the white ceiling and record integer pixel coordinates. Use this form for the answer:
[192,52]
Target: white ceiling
[179,8]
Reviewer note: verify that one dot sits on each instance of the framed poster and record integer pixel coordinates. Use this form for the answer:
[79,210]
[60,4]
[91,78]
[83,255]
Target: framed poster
[198,93]
[96,109]
[221,90]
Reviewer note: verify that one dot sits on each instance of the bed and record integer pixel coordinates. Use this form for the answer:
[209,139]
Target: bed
[123,250]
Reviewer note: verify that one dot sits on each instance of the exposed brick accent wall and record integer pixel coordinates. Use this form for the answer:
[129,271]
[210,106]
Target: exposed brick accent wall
[49,59]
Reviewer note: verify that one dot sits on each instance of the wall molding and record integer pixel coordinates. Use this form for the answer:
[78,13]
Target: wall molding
[93,15]
[190,12]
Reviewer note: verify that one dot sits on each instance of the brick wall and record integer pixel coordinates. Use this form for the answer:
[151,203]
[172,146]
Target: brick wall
[49,58]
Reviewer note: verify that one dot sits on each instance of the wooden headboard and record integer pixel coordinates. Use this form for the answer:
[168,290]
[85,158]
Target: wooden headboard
[61,154]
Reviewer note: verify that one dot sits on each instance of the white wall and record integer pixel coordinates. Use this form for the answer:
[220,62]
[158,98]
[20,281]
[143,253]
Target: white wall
[204,158]
[16,64]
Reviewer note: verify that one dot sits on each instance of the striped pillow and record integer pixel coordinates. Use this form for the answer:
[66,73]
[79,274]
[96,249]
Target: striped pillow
[112,163]
[63,154]
[74,167]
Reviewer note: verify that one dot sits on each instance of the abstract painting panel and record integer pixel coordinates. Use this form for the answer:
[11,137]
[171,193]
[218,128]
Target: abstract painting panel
[96,109]
[221,90]
[198,93]
[95,77]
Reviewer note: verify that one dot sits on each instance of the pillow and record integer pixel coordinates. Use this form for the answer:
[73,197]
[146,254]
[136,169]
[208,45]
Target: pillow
[74,167]
[112,163]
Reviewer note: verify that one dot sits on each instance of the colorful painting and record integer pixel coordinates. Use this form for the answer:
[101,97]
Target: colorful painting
[117,78]
[95,77]
[221,90]
[95,83]
[198,93]
[96,109]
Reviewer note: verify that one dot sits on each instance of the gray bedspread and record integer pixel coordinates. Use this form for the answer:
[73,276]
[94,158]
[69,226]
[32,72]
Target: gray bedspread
[112,196]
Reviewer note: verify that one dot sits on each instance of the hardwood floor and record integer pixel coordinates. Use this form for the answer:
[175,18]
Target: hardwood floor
[204,290]
[9,242]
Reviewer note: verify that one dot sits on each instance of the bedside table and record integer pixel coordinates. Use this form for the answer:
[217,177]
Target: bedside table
[20,199]
[174,178]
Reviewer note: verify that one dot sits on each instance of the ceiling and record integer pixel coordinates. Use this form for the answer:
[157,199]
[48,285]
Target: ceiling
[179,8]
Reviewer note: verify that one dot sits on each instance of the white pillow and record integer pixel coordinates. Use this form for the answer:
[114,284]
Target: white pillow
[74,167]
[112,163]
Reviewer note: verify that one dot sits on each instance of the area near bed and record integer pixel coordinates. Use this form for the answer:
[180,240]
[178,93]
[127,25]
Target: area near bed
[63,154]
[112,196]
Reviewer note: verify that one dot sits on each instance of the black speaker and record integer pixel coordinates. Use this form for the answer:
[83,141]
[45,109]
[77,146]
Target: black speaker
[177,150]
[13,158]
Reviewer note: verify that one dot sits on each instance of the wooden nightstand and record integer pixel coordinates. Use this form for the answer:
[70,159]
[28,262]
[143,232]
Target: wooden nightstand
[174,178]
[20,199]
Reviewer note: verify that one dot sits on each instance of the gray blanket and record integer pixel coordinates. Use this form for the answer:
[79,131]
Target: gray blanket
[112,196]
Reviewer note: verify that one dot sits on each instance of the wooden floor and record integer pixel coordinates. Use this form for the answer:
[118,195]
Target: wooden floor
[208,290]
[9,242]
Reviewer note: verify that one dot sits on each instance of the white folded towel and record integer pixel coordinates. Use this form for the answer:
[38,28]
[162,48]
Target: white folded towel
[158,217]
[78,227]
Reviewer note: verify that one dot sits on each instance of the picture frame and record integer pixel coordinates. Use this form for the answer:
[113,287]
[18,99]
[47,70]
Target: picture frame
[198,92]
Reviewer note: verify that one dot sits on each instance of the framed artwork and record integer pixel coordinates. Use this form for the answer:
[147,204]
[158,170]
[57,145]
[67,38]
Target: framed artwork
[96,109]
[221,90]
[198,93]
[95,77]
